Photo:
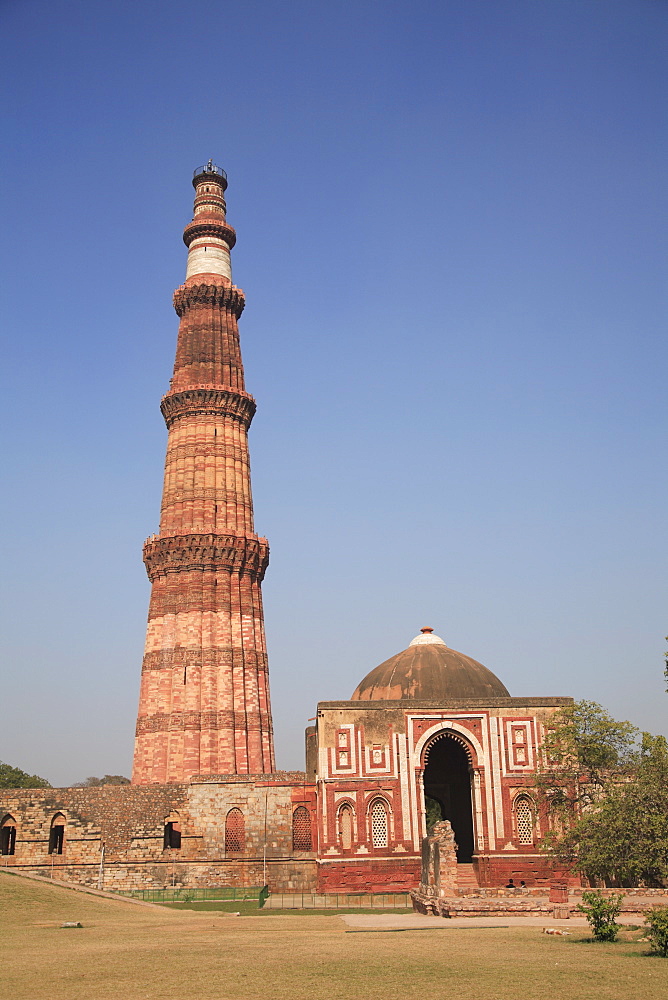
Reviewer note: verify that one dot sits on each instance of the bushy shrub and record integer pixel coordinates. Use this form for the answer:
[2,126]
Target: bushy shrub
[656,922]
[600,912]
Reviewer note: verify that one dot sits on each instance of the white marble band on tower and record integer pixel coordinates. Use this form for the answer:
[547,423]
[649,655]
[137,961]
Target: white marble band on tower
[209,255]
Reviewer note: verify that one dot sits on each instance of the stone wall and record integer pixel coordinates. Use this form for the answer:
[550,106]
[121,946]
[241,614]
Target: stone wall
[129,822]
[535,869]
[391,875]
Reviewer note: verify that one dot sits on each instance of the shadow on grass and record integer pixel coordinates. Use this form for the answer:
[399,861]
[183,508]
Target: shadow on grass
[624,943]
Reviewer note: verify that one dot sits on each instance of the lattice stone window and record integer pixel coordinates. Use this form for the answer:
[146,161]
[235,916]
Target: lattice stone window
[378,824]
[301,829]
[524,817]
[235,834]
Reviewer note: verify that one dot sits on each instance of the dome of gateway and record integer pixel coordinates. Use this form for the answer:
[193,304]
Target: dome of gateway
[428,670]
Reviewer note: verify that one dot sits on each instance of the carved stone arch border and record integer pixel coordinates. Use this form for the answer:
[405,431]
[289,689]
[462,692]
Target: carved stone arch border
[376,794]
[455,731]
[477,760]
[445,735]
[346,800]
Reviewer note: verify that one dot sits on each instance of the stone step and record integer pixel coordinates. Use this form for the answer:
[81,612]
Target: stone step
[466,877]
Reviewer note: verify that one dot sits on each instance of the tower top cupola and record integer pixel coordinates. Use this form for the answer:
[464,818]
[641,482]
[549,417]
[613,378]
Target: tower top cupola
[209,171]
[209,237]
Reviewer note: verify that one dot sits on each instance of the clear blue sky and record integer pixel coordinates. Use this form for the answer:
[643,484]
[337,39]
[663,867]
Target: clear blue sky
[451,225]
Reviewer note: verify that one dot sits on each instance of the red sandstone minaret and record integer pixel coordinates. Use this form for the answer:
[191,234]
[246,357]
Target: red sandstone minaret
[204,701]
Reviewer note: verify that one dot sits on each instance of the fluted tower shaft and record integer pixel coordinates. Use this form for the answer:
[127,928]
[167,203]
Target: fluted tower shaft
[204,703]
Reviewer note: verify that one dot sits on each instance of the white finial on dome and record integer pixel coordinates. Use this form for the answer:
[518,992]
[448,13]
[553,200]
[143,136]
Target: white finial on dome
[427,637]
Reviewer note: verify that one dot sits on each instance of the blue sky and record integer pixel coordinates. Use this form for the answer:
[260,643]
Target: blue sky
[451,226]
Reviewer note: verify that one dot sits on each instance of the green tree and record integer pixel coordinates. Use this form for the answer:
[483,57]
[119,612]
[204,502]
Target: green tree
[586,751]
[108,779]
[433,812]
[601,912]
[623,837]
[14,777]
[656,922]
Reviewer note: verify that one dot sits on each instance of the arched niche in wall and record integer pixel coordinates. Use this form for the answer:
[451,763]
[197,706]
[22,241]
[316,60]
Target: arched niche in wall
[57,834]
[235,832]
[8,835]
[346,826]
[301,829]
[172,832]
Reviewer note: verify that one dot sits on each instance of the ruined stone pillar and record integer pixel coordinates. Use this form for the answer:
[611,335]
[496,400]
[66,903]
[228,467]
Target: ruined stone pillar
[439,862]
[204,702]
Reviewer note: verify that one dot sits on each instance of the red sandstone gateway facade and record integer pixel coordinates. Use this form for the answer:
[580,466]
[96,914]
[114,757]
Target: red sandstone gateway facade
[429,734]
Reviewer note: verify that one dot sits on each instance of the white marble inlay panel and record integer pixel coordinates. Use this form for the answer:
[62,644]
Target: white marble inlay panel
[209,255]
[402,771]
[496,776]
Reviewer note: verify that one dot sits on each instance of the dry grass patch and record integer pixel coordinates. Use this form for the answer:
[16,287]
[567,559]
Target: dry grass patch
[128,952]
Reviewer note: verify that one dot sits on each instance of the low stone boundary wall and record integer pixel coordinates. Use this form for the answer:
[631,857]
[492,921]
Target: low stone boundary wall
[635,901]
[630,893]
[287,875]
[458,907]
[337,901]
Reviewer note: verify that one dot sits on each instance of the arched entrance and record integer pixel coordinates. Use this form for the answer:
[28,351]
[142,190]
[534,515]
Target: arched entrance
[447,789]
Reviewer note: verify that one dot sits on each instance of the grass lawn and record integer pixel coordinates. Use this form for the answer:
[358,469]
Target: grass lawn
[128,952]
[249,908]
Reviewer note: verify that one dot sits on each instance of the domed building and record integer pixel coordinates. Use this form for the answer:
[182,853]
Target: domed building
[428,734]
[428,670]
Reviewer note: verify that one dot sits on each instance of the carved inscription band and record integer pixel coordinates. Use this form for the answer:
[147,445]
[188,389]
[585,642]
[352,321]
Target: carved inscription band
[209,226]
[220,296]
[231,553]
[219,402]
[198,721]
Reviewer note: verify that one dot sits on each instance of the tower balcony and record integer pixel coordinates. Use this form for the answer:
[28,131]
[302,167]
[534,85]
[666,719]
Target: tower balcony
[210,170]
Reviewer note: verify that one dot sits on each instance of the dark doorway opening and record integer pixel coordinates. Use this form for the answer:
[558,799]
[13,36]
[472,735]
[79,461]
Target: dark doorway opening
[56,839]
[447,782]
[172,836]
[7,839]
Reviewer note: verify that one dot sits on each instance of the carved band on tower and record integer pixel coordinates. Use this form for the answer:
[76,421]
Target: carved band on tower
[204,702]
